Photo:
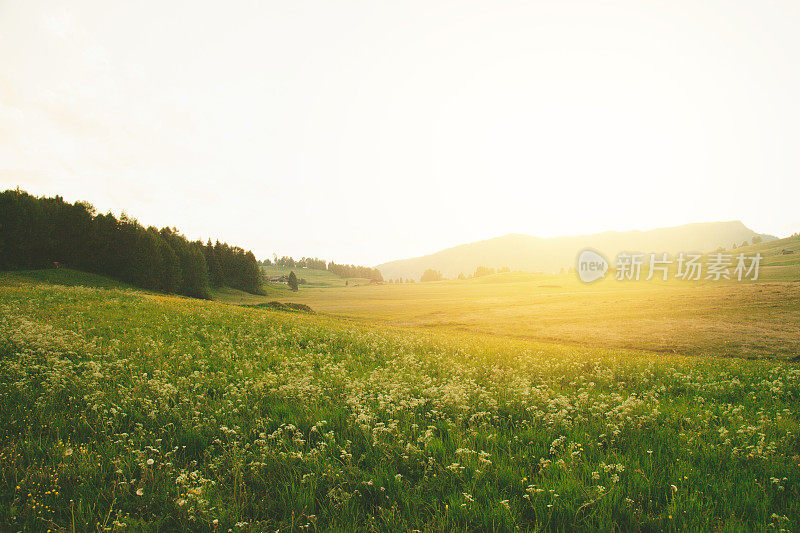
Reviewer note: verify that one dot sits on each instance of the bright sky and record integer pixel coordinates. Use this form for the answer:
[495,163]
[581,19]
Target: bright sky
[367,131]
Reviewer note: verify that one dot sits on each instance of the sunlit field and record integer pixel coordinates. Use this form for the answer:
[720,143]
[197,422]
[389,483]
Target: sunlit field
[415,267]
[746,319]
[752,320]
[124,410]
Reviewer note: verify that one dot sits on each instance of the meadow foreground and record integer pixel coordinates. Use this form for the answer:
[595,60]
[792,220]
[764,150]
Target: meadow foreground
[122,410]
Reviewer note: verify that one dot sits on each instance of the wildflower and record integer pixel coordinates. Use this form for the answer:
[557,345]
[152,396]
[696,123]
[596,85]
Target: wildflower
[140,492]
[67,452]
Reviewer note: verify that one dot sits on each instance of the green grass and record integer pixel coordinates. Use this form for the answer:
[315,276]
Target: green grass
[314,279]
[776,265]
[772,256]
[62,276]
[230,295]
[127,411]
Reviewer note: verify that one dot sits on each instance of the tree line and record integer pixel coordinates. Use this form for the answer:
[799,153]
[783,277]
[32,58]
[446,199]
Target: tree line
[354,271]
[38,232]
[305,262]
[434,275]
[343,271]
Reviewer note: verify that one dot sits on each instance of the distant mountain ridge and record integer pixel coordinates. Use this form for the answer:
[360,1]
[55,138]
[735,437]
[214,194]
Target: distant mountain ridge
[536,254]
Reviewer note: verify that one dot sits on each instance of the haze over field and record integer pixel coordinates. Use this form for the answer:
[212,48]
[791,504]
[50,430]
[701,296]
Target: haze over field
[534,254]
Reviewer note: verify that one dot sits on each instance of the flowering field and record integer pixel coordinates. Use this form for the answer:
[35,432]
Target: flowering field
[124,411]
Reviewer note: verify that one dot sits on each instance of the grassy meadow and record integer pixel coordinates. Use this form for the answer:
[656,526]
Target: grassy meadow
[746,319]
[695,318]
[124,411]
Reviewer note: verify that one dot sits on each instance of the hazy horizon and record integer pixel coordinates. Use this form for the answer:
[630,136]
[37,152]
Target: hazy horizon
[366,133]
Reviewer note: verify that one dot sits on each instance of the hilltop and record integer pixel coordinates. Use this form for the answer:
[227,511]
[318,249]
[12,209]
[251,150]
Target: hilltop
[535,254]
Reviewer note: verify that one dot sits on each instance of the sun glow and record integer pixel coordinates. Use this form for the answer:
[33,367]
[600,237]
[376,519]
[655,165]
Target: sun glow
[387,122]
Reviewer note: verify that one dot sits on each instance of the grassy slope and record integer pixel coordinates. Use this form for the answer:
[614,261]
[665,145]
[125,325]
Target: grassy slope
[167,413]
[777,266]
[63,276]
[315,279]
[238,297]
[74,278]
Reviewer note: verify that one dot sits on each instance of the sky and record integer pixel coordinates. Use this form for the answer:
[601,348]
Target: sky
[364,131]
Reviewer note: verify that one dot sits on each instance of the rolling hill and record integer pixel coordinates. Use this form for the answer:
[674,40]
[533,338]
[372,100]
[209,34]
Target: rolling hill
[63,276]
[535,254]
[780,259]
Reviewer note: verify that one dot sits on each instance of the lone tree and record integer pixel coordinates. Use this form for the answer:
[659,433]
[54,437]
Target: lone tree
[292,281]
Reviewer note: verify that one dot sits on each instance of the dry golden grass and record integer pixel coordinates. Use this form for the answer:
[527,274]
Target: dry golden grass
[745,319]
